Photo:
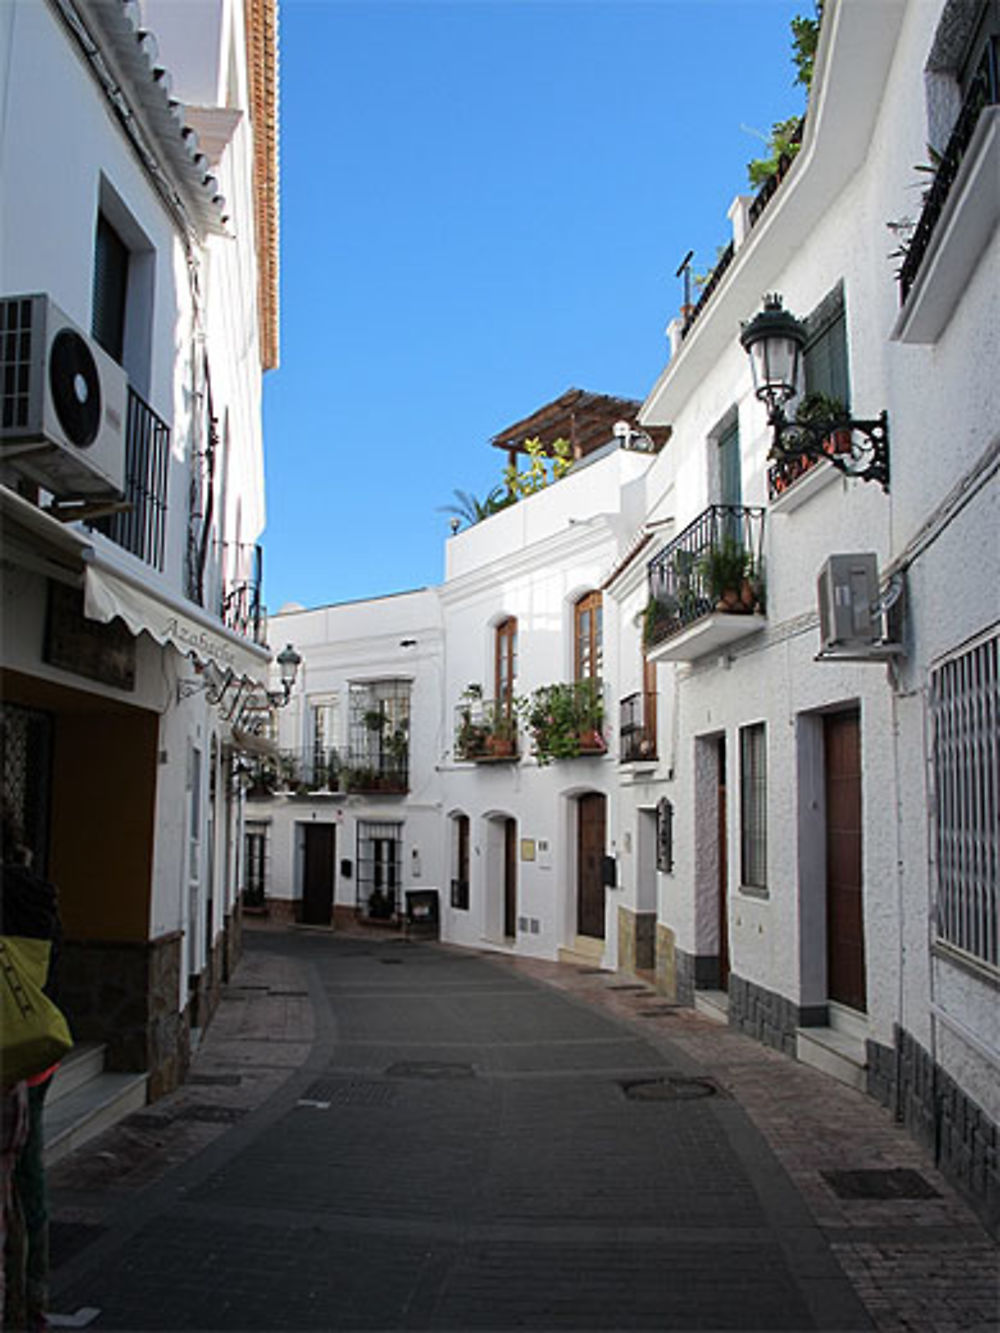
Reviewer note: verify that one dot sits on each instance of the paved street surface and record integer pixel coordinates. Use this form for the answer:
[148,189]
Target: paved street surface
[382,1134]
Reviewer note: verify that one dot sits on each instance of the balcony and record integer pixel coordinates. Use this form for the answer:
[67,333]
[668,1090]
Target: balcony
[141,529]
[566,720]
[386,775]
[706,589]
[241,608]
[310,772]
[486,730]
[959,214]
[637,728]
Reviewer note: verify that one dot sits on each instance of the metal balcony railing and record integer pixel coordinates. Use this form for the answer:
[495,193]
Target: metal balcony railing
[141,529]
[984,91]
[715,564]
[297,773]
[241,607]
[637,727]
[387,773]
[486,730]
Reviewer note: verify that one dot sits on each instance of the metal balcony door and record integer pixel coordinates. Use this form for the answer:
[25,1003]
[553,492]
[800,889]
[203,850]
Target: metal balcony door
[590,854]
[845,933]
[317,874]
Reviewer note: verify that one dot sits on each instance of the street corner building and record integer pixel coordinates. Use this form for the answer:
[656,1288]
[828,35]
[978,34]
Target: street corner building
[720,705]
[138,263]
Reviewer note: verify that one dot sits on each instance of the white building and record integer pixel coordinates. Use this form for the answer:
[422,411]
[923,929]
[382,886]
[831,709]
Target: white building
[138,244]
[791,816]
[835,821]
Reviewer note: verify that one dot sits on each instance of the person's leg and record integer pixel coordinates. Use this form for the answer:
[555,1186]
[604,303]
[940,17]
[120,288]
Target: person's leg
[29,1182]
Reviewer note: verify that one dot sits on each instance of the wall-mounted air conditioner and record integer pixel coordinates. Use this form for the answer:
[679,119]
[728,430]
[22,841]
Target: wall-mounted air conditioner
[62,403]
[852,610]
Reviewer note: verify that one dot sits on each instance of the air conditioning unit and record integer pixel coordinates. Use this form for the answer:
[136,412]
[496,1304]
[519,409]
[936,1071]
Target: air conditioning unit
[849,614]
[62,403]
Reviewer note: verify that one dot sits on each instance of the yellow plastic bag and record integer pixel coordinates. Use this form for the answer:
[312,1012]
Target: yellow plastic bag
[34,1034]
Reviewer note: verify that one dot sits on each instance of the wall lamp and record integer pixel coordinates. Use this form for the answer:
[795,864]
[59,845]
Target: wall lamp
[288,661]
[774,340]
[633,437]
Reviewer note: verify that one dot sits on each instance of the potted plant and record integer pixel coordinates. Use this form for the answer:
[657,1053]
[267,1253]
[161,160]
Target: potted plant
[565,719]
[471,733]
[725,567]
[814,408]
[501,729]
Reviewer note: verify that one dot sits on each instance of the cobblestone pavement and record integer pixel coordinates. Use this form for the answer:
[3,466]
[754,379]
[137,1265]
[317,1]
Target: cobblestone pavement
[378,1134]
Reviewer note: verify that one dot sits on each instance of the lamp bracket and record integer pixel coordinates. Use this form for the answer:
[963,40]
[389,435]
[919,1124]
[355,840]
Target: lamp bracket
[864,456]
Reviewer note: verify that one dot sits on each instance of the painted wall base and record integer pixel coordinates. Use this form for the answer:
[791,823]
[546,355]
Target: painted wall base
[962,1139]
[636,940]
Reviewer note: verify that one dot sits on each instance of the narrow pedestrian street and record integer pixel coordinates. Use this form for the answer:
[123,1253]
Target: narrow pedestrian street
[386,1134]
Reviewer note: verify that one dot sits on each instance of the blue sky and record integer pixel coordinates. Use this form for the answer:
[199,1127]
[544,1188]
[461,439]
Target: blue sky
[483,204]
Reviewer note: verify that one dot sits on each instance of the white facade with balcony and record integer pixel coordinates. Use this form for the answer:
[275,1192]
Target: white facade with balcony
[134,203]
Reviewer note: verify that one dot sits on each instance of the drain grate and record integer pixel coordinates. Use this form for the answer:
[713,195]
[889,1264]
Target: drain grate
[211,1115]
[671,1089]
[880,1183]
[215,1080]
[359,1093]
[430,1069]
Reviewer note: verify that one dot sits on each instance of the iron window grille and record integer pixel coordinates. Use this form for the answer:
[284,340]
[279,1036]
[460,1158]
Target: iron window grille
[26,737]
[141,529]
[636,727]
[243,573]
[257,868]
[379,864]
[379,736]
[753,806]
[965,721]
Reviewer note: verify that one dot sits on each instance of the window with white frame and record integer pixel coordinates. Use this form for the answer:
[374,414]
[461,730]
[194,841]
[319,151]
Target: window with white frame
[322,755]
[965,718]
[753,806]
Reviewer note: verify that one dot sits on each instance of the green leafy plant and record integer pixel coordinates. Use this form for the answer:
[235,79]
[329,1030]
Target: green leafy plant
[470,510]
[805,40]
[724,566]
[565,719]
[536,476]
[782,145]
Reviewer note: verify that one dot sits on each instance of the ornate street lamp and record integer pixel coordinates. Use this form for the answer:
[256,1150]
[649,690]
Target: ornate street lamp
[289,662]
[773,340]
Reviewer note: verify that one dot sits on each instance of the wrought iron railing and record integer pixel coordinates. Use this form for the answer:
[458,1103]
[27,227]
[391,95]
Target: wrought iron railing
[715,564]
[141,529]
[297,772]
[708,288]
[637,727]
[386,773]
[486,730]
[984,91]
[241,607]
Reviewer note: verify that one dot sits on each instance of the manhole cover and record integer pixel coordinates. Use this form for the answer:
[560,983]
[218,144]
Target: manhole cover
[672,1089]
[893,1183]
[429,1069]
[339,1093]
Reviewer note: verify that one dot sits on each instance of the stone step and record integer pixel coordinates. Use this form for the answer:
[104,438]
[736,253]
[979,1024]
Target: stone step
[585,951]
[842,1055]
[714,1004]
[88,1110]
[84,1062]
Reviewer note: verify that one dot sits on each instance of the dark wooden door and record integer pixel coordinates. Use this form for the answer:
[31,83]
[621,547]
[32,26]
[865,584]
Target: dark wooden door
[317,874]
[845,933]
[590,855]
[723,921]
[510,878]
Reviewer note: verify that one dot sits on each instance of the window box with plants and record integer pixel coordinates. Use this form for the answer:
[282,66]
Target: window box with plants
[566,721]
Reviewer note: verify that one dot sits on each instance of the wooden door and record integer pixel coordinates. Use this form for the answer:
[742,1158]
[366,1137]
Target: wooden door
[510,878]
[845,935]
[723,857]
[590,829]
[317,874]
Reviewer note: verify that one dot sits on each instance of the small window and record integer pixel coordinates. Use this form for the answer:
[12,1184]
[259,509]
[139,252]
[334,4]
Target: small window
[506,662]
[588,645]
[965,703]
[460,875]
[380,857]
[111,271]
[256,863]
[753,806]
[824,356]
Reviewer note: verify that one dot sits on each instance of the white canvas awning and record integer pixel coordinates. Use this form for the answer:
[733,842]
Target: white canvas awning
[108,593]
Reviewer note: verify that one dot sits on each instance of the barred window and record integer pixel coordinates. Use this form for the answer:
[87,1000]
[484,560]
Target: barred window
[753,806]
[380,860]
[256,870]
[965,707]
